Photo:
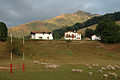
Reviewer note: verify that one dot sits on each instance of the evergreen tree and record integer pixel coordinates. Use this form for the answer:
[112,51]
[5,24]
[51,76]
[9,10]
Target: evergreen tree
[108,31]
[89,32]
[56,35]
[3,31]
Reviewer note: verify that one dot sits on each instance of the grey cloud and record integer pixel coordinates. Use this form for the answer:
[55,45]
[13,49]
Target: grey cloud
[15,12]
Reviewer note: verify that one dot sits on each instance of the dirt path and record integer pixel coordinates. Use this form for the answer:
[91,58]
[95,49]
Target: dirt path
[3,67]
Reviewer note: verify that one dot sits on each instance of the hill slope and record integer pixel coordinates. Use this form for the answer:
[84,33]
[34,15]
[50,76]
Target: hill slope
[92,27]
[51,24]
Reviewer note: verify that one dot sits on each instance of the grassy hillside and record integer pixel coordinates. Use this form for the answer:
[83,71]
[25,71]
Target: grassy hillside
[4,50]
[64,51]
[92,27]
[75,51]
[78,53]
[51,24]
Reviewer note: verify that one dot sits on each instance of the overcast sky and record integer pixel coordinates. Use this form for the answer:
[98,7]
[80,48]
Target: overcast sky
[15,12]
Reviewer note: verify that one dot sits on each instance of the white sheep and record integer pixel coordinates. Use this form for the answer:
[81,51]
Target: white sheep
[71,64]
[103,68]
[90,73]
[95,65]
[113,74]
[90,67]
[116,66]
[74,70]
[52,66]
[77,70]
[87,65]
[36,62]
[112,67]
[108,66]
[42,63]
[100,71]
[105,76]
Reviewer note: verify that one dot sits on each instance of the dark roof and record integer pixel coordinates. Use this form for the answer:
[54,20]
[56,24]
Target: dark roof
[41,32]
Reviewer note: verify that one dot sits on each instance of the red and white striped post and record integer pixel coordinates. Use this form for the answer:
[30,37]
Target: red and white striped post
[23,55]
[11,55]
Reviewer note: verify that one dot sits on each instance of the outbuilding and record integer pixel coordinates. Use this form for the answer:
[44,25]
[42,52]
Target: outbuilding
[94,37]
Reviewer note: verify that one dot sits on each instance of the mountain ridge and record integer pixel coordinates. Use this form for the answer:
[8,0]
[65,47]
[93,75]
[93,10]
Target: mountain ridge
[51,24]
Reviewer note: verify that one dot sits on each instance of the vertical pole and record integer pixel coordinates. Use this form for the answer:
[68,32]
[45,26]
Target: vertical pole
[11,55]
[23,55]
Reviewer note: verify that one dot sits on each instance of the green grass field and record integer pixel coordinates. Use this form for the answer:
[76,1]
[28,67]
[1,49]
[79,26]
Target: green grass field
[61,52]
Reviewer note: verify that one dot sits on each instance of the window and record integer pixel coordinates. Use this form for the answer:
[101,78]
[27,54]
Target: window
[49,33]
[40,37]
[43,33]
[68,35]
[73,36]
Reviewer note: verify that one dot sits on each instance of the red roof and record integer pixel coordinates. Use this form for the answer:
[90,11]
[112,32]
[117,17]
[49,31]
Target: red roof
[41,32]
[73,32]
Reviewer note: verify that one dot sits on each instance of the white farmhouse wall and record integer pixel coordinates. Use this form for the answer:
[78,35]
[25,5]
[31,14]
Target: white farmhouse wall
[44,36]
[72,36]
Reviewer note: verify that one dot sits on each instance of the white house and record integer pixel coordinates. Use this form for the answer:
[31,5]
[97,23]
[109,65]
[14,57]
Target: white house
[72,36]
[94,37]
[41,35]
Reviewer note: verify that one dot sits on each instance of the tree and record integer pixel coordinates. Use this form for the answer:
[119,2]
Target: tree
[89,32]
[56,35]
[3,31]
[108,31]
[16,46]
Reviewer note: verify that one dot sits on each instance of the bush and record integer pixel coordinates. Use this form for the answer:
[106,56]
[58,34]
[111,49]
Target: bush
[16,46]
